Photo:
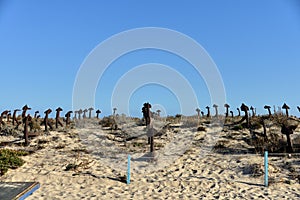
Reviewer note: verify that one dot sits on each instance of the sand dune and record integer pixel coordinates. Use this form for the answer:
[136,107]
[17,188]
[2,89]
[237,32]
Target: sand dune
[185,166]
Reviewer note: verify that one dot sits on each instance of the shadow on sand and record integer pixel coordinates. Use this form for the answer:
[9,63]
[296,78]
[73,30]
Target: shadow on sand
[148,157]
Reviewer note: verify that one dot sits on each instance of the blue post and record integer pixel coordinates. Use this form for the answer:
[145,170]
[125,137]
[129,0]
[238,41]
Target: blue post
[266,168]
[128,170]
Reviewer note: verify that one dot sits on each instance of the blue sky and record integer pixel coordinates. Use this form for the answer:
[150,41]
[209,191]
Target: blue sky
[255,45]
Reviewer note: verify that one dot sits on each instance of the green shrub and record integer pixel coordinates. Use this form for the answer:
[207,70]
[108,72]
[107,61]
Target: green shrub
[9,130]
[9,159]
[256,125]
[238,127]
[138,144]
[34,124]
[227,120]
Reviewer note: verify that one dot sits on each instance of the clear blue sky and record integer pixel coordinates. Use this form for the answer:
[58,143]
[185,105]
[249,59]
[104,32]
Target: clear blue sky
[255,45]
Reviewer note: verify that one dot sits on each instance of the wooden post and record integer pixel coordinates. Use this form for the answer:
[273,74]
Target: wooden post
[151,142]
[25,121]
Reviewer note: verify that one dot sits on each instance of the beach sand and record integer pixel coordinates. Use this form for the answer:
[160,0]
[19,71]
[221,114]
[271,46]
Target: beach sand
[197,171]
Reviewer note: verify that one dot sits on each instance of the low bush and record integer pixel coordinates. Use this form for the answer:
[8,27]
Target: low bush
[10,159]
[108,122]
[237,127]
[256,125]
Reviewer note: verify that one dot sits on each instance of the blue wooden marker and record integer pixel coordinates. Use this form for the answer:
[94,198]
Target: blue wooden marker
[128,169]
[266,168]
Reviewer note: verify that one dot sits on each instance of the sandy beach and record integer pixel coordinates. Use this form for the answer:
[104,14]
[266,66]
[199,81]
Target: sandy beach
[69,165]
